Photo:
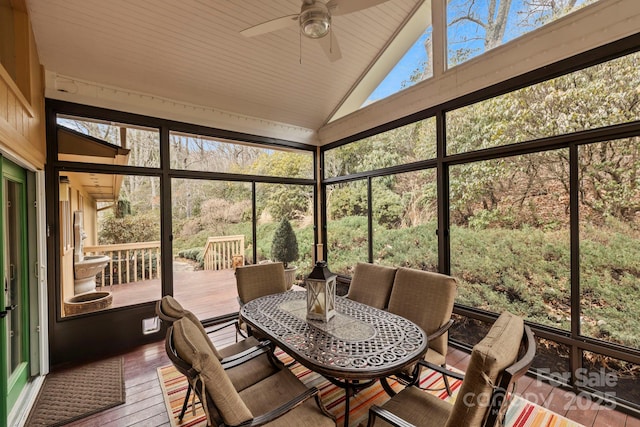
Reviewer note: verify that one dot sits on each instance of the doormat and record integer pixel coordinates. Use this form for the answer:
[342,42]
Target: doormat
[78,392]
[521,413]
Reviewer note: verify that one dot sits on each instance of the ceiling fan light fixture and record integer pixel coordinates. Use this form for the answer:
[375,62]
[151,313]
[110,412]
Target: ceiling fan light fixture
[315,20]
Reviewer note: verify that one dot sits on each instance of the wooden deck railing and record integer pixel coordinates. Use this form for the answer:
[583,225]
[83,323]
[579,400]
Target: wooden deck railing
[134,262]
[223,252]
[130,262]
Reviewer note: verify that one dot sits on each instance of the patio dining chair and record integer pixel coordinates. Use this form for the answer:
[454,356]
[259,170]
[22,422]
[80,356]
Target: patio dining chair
[280,399]
[169,310]
[425,298]
[371,284]
[252,370]
[503,356]
[258,280]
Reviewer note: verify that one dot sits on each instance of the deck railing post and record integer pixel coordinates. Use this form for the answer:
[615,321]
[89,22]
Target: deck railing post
[123,266]
[219,251]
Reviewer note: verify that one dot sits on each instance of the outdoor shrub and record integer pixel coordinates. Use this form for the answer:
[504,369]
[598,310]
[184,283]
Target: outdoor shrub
[194,254]
[131,228]
[284,246]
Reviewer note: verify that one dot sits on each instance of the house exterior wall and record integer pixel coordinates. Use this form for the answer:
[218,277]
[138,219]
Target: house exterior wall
[22,141]
[22,100]
[80,200]
[22,130]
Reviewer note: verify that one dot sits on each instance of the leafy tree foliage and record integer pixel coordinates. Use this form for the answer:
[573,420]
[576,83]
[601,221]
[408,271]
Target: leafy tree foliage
[195,152]
[348,199]
[285,201]
[510,245]
[281,163]
[407,144]
[598,96]
[280,200]
[143,227]
[123,208]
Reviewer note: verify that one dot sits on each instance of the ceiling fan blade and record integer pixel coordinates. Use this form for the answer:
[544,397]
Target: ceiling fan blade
[331,47]
[269,26]
[342,7]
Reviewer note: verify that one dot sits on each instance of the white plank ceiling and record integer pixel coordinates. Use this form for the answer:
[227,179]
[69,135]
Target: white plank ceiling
[191,51]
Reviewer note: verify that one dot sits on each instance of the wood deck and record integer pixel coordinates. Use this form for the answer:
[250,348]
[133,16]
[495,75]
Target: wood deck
[210,294]
[206,293]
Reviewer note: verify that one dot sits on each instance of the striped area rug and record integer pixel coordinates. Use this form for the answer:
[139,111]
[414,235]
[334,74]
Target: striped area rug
[521,413]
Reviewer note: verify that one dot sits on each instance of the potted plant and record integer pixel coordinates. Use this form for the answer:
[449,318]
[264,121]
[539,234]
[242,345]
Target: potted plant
[284,248]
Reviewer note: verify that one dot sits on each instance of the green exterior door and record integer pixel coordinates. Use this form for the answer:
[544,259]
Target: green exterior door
[14,298]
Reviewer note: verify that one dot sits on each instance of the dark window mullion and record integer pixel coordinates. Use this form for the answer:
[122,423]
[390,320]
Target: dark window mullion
[370,218]
[442,176]
[166,214]
[254,226]
[575,359]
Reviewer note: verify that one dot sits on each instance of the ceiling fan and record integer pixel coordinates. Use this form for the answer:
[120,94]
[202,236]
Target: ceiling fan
[314,21]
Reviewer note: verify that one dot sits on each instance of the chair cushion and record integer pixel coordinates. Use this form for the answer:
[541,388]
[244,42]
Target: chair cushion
[431,356]
[191,346]
[174,310]
[417,407]
[489,358]
[425,298]
[250,372]
[371,284]
[238,347]
[435,357]
[171,308]
[254,281]
[279,389]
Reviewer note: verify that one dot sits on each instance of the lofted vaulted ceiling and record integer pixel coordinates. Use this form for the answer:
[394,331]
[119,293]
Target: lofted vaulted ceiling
[192,51]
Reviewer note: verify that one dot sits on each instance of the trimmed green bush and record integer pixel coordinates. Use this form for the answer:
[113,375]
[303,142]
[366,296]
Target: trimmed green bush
[284,246]
[194,254]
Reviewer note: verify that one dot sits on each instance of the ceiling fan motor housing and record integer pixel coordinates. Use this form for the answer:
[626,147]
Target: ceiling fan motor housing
[315,20]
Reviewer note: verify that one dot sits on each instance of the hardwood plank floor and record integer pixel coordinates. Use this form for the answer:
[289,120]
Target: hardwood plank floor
[145,406]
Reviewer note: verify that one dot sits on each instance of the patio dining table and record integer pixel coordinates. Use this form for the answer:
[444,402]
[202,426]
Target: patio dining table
[356,347]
